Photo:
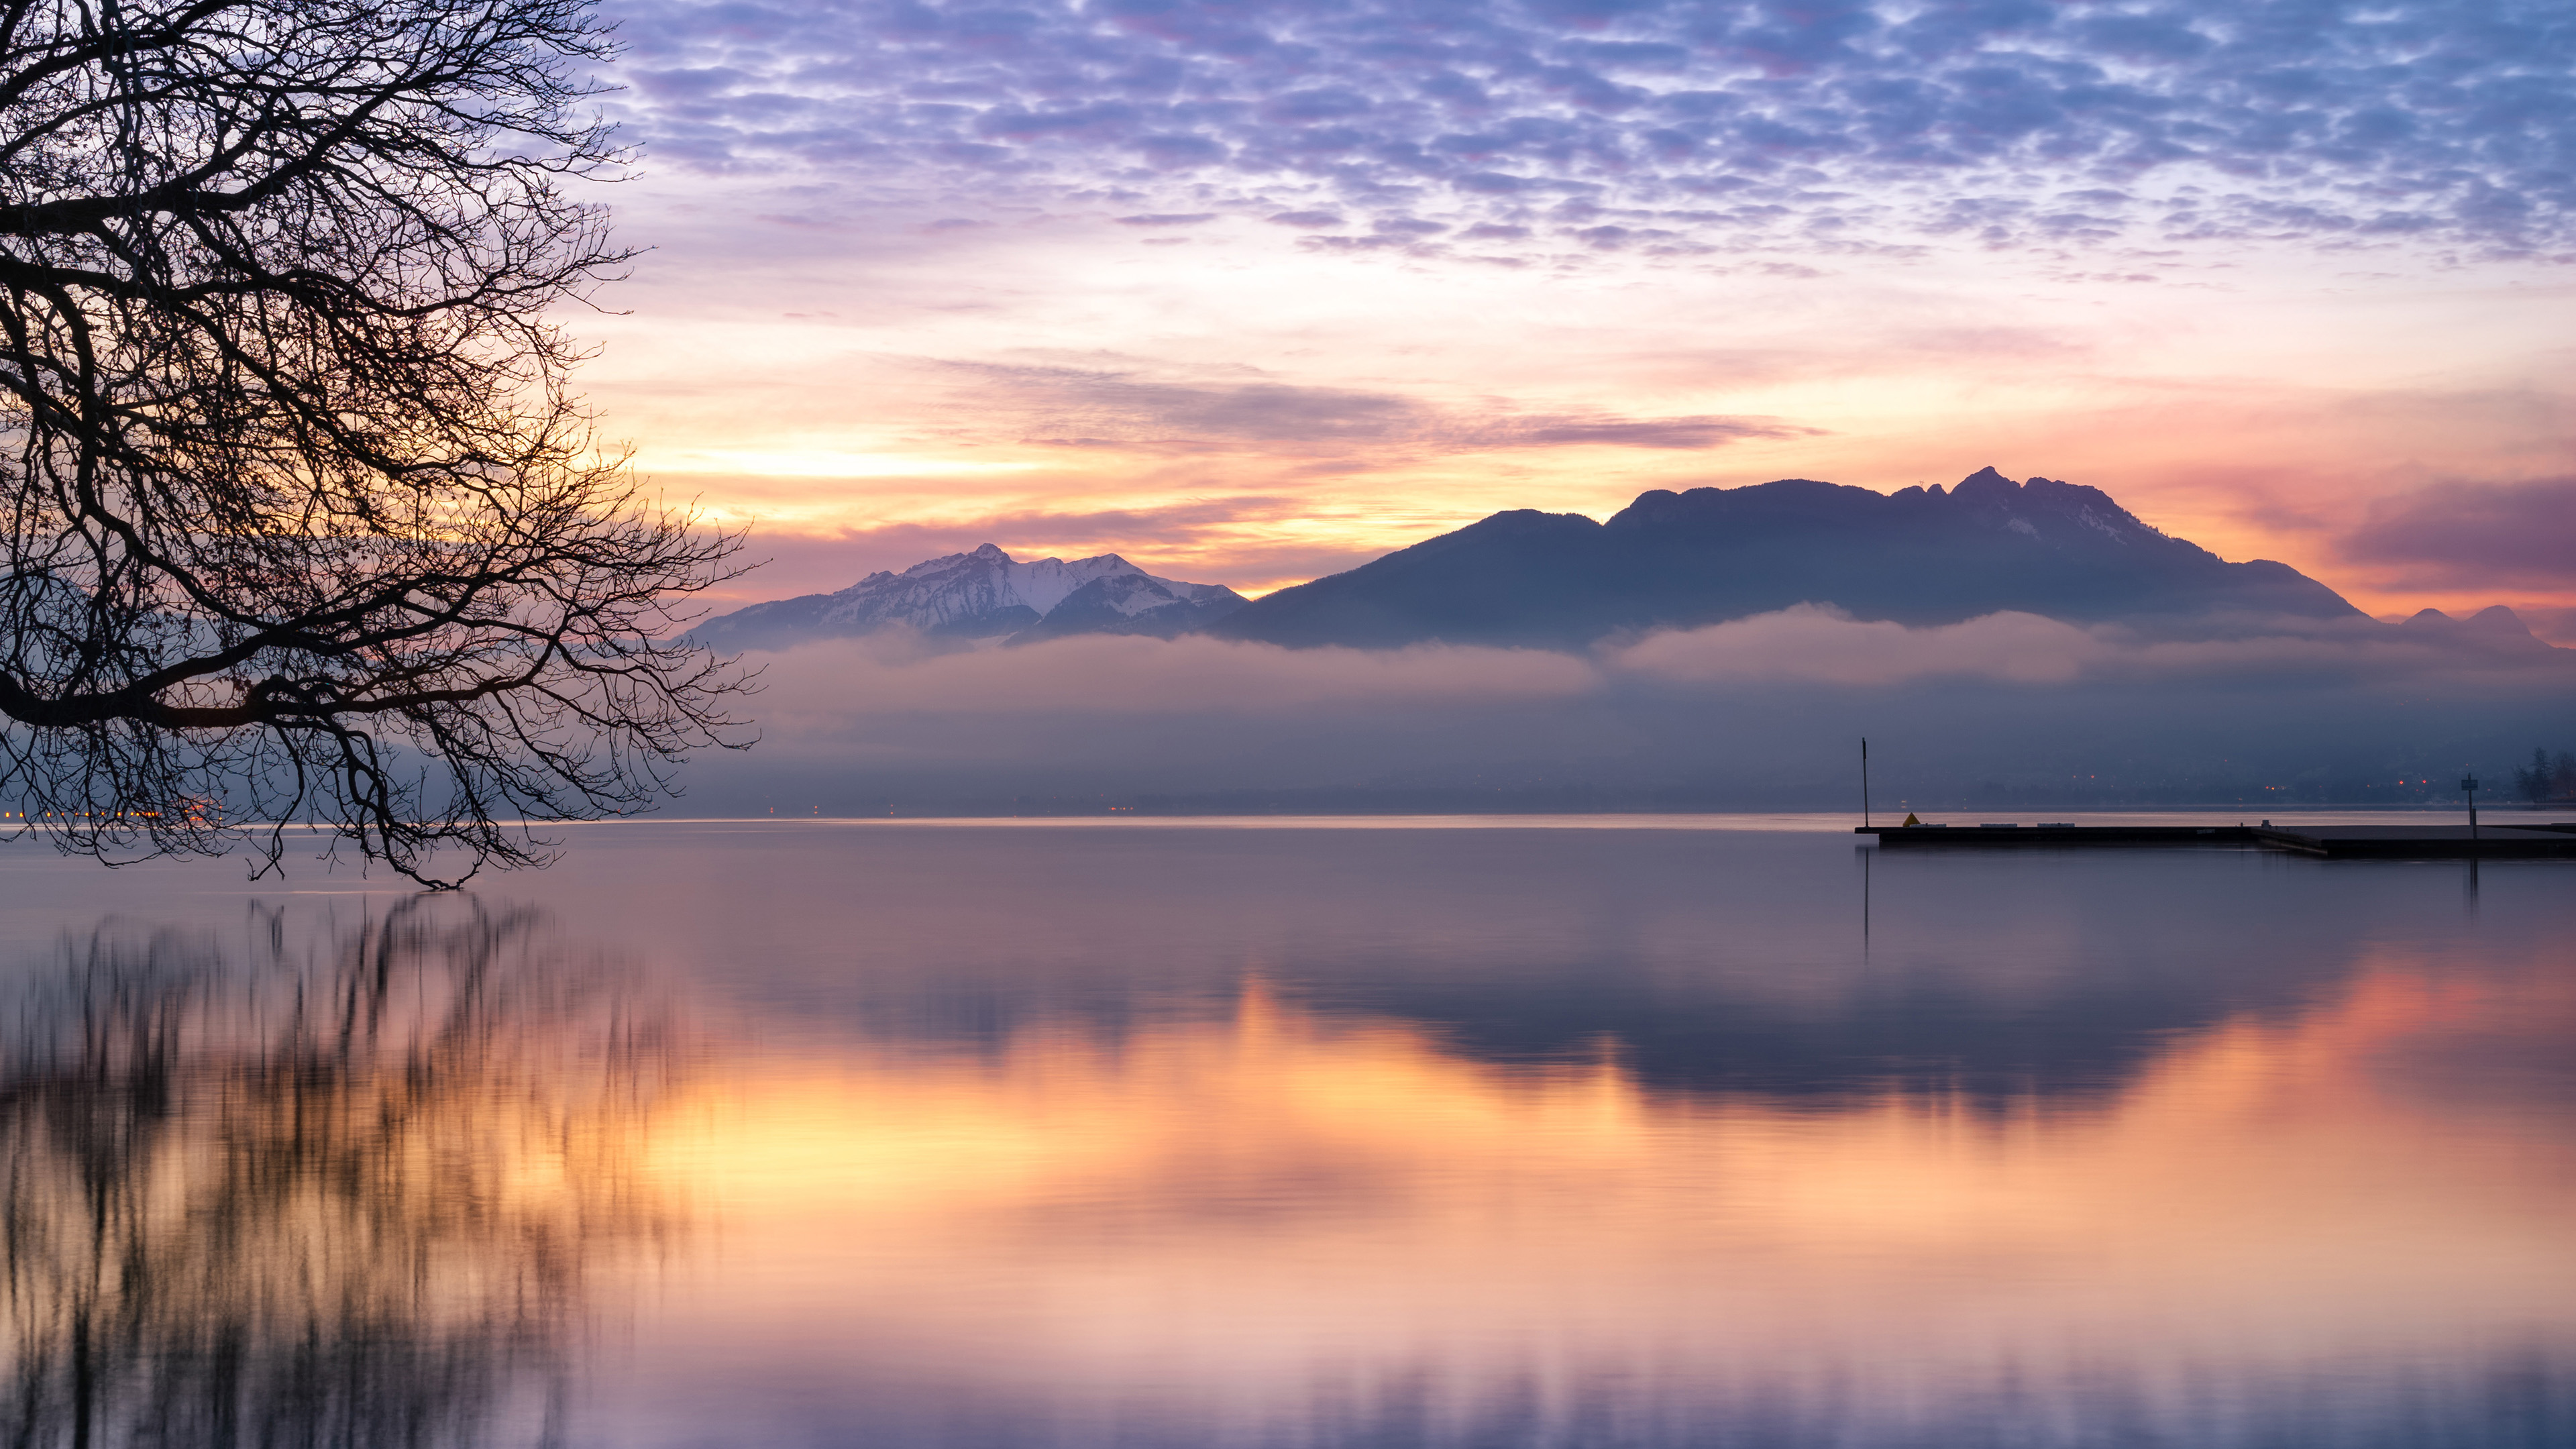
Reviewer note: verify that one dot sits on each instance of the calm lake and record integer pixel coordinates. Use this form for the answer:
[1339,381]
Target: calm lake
[1394,1133]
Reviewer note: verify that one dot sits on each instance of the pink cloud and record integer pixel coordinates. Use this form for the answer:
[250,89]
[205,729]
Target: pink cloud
[2474,533]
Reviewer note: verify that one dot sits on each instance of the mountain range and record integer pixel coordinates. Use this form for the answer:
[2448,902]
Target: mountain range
[1919,556]
[981,595]
[1668,560]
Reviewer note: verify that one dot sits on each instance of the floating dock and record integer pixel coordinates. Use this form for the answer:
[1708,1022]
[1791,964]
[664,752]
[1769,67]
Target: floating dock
[2335,842]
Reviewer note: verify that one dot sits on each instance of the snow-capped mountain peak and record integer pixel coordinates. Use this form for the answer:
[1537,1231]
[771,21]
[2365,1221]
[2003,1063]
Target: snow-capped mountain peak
[981,594]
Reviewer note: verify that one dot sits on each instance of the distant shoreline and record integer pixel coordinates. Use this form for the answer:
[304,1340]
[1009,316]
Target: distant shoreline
[1798,820]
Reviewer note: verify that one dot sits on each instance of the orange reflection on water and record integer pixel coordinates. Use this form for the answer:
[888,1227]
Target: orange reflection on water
[1226,1215]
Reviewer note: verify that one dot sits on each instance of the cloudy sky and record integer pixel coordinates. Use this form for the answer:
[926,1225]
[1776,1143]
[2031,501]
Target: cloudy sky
[1254,292]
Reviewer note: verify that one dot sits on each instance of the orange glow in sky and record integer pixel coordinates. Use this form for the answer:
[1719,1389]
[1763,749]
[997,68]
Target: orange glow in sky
[1253,294]
[1241,411]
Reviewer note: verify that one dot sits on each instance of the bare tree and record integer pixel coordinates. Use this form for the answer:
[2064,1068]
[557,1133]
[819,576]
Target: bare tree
[304,524]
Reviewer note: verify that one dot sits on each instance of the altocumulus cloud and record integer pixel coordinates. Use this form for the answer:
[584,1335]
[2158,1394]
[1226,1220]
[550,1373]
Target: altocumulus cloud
[1658,124]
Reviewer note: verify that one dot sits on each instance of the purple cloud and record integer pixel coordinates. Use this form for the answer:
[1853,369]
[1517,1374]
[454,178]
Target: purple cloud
[2475,534]
[1617,432]
[1824,122]
[1075,407]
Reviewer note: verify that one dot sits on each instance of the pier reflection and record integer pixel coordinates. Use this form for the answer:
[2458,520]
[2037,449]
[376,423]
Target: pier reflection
[334,1187]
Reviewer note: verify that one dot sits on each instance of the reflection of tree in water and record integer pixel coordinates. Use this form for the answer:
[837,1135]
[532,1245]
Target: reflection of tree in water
[349,1196]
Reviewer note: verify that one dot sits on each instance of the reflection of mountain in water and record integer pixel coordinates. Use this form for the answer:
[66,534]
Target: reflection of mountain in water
[1297,1228]
[1706,965]
[2087,1038]
[345,1199]
[2084,1037]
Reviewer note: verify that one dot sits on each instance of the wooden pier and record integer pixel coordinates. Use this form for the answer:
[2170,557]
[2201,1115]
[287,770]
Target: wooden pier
[2334,842]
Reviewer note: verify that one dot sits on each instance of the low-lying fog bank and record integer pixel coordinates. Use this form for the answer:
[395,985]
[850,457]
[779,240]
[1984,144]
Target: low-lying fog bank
[1765,712]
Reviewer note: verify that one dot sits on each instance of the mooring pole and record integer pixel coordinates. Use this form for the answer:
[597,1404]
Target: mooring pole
[1864,782]
[2469,787]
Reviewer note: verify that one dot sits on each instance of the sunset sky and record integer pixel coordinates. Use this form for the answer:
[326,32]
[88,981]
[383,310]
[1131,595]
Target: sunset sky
[1253,293]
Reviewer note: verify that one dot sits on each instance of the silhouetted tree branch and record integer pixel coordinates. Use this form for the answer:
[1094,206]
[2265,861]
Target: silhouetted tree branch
[304,523]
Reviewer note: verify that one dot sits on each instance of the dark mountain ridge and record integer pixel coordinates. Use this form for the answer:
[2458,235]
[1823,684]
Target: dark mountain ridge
[1918,556]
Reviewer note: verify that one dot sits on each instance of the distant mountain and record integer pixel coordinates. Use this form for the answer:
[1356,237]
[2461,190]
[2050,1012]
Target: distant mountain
[1919,556]
[2493,627]
[980,595]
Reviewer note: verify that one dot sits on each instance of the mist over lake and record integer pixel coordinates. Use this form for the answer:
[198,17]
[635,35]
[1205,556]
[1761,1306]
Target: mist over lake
[2003,711]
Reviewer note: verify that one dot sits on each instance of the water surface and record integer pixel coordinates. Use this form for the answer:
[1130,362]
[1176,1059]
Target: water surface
[786,1134]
